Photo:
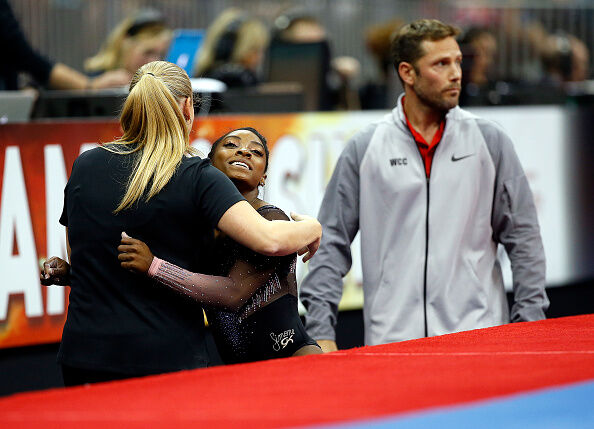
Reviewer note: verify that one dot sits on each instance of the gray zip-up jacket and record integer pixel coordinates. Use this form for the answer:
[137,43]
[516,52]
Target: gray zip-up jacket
[428,246]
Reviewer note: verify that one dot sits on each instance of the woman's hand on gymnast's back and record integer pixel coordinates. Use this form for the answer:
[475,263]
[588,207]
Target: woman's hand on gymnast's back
[134,255]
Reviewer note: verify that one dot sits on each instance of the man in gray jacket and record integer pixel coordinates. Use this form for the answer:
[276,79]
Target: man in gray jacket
[433,190]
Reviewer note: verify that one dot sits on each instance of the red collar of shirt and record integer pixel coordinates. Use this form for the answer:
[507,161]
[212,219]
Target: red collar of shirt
[418,137]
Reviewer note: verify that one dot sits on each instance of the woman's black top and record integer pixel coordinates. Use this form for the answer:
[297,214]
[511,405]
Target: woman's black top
[117,320]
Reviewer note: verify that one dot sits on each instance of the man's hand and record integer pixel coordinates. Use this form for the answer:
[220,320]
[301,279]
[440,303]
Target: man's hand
[327,345]
[55,271]
[134,254]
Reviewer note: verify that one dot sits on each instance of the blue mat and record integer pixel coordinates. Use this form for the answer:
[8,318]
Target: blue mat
[566,407]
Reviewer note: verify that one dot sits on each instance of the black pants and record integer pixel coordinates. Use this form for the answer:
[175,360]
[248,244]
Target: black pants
[78,376]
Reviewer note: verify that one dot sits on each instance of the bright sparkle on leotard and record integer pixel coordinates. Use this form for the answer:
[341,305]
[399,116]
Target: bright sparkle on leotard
[261,297]
[174,277]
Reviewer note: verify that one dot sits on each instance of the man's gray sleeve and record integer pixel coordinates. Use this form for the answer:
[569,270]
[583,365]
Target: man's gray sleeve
[321,290]
[515,225]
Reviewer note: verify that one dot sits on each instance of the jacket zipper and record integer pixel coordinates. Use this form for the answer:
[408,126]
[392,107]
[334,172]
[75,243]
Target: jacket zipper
[427,178]
[426,329]
[426,261]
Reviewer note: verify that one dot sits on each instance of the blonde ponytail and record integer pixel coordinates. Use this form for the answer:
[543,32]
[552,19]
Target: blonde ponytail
[154,129]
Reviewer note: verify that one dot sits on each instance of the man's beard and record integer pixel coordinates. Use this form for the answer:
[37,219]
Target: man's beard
[435,101]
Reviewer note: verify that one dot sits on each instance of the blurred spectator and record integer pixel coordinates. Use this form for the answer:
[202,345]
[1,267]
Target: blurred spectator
[478,46]
[547,79]
[565,58]
[20,57]
[382,92]
[233,50]
[299,27]
[135,41]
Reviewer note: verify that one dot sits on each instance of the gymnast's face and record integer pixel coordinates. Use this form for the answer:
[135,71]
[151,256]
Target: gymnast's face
[241,156]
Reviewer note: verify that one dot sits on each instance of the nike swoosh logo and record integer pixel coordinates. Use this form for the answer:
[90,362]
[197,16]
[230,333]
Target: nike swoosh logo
[454,159]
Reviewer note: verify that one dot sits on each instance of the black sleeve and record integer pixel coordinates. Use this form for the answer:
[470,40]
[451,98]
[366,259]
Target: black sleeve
[64,215]
[17,52]
[214,193]
[73,177]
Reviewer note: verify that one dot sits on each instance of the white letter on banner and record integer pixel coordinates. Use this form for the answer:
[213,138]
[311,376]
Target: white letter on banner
[87,146]
[313,185]
[285,172]
[203,146]
[55,181]
[20,272]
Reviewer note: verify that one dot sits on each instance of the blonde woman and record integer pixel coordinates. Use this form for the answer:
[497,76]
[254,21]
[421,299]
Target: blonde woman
[137,40]
[144,183]
[233,49]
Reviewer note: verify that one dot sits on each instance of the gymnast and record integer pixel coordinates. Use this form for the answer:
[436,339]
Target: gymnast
[252,304]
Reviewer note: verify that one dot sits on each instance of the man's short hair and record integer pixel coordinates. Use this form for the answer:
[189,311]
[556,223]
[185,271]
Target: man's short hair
[406,45]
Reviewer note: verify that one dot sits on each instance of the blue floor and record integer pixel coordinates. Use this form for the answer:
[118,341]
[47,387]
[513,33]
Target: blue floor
[565,407]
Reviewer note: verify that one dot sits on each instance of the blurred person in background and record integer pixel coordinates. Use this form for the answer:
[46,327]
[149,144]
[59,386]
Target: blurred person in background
[20,57]
[556,64]
[565,58]
[561,68]
[137,40]
[382,92]
[233,49]
[433,190]
[479,47]
[297,26]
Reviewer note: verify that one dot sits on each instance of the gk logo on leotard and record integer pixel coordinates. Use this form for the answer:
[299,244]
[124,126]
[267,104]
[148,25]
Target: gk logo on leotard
[281,340]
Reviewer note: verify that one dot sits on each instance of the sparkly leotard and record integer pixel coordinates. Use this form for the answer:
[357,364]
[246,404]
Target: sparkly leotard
[268,325]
